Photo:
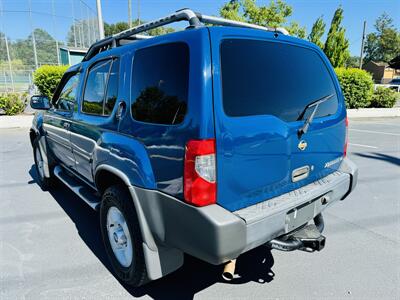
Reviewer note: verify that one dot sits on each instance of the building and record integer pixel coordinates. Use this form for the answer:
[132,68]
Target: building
[71,55]
[395,63]
[381,72]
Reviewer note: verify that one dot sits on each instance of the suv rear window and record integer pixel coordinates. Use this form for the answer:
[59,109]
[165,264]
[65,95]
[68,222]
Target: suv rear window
[160,83]
[272,78]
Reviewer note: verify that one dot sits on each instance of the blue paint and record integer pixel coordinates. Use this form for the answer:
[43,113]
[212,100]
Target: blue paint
[255,154]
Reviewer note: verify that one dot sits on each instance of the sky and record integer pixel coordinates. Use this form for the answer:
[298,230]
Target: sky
[305,12]
[16,23]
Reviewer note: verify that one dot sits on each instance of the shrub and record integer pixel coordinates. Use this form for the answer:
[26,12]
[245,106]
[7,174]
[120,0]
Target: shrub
[13,103]
[383,97]
[357,86]
[46,78]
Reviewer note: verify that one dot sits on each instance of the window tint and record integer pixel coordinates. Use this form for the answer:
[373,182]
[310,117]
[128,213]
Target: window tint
[112,88]
[160,83]
[95,88]
[67,98]
[260,77]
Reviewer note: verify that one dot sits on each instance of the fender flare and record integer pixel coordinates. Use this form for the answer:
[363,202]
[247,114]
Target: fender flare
[156,257]
[144,228]
[43,150]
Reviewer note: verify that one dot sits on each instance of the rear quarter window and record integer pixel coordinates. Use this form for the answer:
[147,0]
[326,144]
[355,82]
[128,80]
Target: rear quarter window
[273,78]
[160,77]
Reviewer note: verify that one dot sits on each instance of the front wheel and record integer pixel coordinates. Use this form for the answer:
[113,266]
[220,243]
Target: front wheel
[121,235]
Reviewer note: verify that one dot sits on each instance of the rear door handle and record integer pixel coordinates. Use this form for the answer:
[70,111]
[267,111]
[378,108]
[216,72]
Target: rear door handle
[300,173]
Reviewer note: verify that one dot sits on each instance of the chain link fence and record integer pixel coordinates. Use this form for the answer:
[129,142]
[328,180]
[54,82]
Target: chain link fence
[32,32]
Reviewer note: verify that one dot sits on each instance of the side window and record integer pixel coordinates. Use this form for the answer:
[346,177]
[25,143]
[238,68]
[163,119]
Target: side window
[67,97]
[101,88]
[95,88]
[160,83]
[112,88]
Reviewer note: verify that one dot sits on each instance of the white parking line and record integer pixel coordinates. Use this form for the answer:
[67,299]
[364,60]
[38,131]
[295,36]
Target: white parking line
[377,132]
[360,145]
[387,124]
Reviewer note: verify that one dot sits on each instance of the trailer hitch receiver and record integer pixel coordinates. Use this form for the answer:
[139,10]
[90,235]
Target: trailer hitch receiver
[307,238]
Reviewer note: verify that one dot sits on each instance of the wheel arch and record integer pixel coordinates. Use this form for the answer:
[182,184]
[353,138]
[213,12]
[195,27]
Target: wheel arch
[107,176]
[32,135]
[156,257]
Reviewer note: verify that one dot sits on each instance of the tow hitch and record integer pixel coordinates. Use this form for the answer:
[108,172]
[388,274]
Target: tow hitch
[308,238]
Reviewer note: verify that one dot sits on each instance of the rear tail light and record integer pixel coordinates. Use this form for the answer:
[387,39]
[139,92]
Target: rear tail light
[346,137]
[200,172]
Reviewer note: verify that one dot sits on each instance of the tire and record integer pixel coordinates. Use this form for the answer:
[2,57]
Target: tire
[44,182]
[116,200]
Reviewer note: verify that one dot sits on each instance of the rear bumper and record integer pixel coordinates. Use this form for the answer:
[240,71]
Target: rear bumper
[216,235]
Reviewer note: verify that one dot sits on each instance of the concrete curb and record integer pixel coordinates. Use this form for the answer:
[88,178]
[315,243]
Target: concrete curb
[25,121]
[373,112]
[20,121]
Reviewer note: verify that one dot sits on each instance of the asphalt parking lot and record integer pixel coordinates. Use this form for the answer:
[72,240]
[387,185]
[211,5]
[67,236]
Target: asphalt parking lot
[50,244]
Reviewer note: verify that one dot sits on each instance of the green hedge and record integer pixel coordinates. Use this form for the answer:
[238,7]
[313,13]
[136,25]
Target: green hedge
[383,97]
[357,86]
[46,78]
[13,103]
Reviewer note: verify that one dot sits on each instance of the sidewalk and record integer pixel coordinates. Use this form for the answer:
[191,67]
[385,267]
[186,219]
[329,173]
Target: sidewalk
[20,121]
[25,121]
[373,112]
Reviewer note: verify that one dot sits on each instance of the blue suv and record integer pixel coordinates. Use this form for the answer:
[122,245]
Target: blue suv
[210,141]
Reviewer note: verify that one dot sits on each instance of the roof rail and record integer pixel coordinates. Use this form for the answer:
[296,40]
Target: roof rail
[195,20]
[225,22]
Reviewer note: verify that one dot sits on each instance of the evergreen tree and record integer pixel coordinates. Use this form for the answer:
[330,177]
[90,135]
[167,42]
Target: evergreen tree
[384,44]
[317,31]
[337,46]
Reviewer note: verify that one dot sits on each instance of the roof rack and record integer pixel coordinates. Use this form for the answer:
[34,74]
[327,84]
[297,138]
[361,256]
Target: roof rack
[195,20]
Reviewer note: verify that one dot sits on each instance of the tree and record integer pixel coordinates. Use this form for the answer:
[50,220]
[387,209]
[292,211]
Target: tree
[384,44]
[110,29]
[16,65]
[353,62]
[273,15]
[337,46]
[82,33]
[317,31]
[3,52]
[45,49]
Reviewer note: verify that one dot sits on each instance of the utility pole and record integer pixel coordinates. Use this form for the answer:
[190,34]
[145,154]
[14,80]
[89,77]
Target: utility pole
[53,13]
[100,19]
[33,36]
[74,22]
[138,11]
[8,53]
[130,13]
[362,45]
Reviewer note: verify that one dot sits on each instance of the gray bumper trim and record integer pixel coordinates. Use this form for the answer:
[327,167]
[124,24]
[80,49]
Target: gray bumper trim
[216,235]
[350,168]
[268,220]
[210,233]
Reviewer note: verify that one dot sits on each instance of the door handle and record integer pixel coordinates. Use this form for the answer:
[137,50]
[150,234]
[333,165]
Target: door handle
[66,125]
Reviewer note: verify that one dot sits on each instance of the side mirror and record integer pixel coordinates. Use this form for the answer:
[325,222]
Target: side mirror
[40,102]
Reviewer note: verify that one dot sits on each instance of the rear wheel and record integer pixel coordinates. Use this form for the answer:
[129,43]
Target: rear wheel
[121,235]
[43,181]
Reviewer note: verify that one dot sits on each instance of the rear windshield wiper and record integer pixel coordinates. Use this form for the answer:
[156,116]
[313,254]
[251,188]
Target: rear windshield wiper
[310,118]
